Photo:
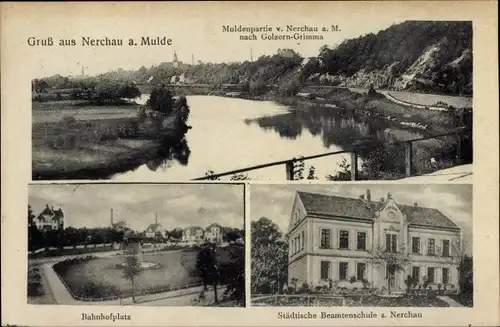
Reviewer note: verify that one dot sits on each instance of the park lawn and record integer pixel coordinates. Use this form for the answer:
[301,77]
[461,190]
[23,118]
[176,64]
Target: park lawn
[178,269]
[109,157]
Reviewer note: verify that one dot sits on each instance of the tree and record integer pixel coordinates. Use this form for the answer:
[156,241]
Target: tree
[161,100]
[206,268]
[392,261]
[35,237]
[269,256]
[131,270]
[175,233]
[130,92]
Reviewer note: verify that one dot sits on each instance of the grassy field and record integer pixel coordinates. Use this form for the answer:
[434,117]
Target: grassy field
[74,141]
[54,111]
[177,269]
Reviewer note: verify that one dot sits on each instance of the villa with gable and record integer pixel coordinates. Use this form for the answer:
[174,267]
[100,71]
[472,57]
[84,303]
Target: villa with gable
[51,218]
[333,238]
[214,233]
[192,235]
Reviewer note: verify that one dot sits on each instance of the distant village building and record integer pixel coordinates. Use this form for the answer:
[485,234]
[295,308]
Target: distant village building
[51,218]
[120,226]
[336,238]
[175,62]
[154,229]
[193,235]
[214,233]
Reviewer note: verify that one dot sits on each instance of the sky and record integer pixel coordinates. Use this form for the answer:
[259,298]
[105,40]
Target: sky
[197,33]
[454,201]
[177,205]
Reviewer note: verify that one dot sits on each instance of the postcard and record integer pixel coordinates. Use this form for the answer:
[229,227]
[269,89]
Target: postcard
[250,164]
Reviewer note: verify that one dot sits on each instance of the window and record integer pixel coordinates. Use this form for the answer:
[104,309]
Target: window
[446,275]
[391,243]
[292,247]
[361,241]
[325,269]
[431,247]
[325,239]
[430,274]
[343,270]
[415,273]
[298,243]
[446,248]
[360,271]
[344,239]
[415,245]
[303,240]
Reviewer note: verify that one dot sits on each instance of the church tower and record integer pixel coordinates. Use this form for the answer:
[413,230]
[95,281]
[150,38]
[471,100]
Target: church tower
[175,61]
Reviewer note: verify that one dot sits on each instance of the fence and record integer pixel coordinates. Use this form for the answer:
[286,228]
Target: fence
[100,247]
[354,154]
[298,300]
[147,291]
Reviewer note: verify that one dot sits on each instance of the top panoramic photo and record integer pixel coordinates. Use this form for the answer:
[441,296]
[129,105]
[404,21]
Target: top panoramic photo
[390,103]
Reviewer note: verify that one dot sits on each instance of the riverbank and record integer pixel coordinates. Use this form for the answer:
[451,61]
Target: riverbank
[96,143]
[395,122]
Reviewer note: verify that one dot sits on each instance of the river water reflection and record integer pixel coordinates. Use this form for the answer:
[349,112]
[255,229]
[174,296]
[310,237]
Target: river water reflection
[230,133]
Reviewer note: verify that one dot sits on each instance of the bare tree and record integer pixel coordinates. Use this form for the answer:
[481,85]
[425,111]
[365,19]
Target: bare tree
[132,269]
[393,261]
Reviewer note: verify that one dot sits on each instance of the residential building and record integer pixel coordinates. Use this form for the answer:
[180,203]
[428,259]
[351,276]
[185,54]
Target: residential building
[214,233]
[154,229]
[333,238]
[51,218]
[193,234]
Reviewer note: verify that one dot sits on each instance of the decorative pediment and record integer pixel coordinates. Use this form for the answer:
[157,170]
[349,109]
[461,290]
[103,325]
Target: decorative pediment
[391,229]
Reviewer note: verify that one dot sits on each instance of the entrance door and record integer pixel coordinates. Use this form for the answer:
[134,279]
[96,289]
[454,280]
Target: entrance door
[392,280]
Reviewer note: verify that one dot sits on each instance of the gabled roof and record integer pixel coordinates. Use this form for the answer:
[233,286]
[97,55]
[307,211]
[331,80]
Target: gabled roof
[192,229]
[332,205]
[153,228]
[54,214]
[213,225]
[335,205]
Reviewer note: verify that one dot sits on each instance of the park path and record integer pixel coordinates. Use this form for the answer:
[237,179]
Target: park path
[57,288]
[450,301]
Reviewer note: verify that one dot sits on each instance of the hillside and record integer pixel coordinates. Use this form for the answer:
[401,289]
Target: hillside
[428,57]
[434,57]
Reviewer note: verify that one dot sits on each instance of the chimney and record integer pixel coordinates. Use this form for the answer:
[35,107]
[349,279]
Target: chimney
[111,217]
[415,204]
[382,200]
[368,195]
[156,219]
[389,195]
[46,206]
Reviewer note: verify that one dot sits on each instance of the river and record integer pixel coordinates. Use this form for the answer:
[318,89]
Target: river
[230,133]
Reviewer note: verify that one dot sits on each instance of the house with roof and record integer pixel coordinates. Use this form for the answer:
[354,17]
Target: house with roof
[154,229]
[193,235]
[214,233]
[333,238]
[51,218]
